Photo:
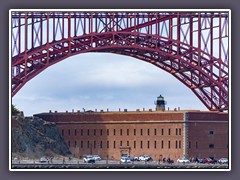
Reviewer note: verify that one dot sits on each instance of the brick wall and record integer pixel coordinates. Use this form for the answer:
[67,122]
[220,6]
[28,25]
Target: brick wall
[93,133]
[127,135]
[208,134]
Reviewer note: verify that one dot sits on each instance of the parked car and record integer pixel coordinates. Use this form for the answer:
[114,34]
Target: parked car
[170,161]
[125,159]
[223,160]
[183,160]
[130,157]
[43,159]
[16,159]
[199,160]
[136,158]
[88,159]
[97,157]
[145,158]
[209,160]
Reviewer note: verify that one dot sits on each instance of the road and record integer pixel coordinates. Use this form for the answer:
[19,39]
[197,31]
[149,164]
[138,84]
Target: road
[78,163]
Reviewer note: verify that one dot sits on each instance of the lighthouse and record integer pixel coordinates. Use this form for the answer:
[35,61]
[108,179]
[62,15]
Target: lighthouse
[160,103]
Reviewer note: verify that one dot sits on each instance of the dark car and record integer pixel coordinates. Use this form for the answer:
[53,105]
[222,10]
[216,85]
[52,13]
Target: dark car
[150,159]
[136,158]
[169,161]
[209,160]
[199,160]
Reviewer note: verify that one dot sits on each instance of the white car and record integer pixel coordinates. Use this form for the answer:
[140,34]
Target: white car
[43,159]
[88,159]
[183,160]
[144,158]
[96,157]
[16,159]
[125,159]
[223,160]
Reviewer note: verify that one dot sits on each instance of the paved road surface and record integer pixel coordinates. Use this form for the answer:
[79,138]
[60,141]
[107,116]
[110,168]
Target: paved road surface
[78,163]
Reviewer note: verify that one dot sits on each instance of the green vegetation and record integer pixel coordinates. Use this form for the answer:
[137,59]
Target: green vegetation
[15,111]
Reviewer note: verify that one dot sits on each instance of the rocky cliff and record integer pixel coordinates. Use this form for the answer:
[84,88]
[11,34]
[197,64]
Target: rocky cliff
[33,137]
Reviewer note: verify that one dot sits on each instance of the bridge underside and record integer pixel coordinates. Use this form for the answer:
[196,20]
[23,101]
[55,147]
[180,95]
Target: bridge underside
[195,64]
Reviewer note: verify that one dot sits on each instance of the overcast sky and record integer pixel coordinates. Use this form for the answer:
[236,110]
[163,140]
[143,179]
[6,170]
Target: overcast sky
[101,81]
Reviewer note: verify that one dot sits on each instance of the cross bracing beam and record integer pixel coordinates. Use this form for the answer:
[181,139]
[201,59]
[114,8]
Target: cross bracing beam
[192,46]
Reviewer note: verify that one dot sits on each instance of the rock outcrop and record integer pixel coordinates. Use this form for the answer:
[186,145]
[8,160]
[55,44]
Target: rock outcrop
[33,137]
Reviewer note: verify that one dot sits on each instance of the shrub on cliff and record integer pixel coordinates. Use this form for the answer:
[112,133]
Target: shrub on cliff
[15,111]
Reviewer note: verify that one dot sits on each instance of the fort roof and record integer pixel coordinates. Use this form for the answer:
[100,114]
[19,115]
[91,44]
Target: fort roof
[132,116]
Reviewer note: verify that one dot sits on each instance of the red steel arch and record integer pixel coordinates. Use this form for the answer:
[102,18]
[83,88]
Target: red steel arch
[192,46]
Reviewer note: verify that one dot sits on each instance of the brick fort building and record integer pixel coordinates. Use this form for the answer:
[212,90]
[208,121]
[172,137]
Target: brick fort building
[161,133]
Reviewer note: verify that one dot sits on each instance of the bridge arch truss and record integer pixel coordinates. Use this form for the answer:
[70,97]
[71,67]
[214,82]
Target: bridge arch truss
[192,46]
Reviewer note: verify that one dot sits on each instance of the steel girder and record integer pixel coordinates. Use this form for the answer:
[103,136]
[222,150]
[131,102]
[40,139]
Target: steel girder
[192,46]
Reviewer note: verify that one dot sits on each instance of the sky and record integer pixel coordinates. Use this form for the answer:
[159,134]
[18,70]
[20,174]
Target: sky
[102,81]
[107,81]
